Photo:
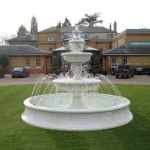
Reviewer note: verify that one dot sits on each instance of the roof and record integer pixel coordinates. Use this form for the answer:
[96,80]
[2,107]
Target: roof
[27,38]
[64,49]
[127,51]
[119,50]
[142,47]
[132,31]
[94,29]
[138,31]
[51,29]
[108,40]
[138,44]
[98,33]
[21,50]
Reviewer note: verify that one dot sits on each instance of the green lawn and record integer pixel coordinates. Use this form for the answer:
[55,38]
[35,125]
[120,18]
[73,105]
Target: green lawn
[16,135]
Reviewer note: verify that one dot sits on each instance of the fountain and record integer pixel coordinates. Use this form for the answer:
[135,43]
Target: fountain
[75,103]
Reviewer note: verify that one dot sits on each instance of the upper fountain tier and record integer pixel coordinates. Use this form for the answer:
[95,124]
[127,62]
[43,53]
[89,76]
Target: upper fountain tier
[76,57]
[76,46]
[76,43]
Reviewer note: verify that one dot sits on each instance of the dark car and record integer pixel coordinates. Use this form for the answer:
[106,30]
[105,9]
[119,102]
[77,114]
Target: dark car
[19,72]
[148,71]
[139,71]
[124,72]
[142,71]
[113,69]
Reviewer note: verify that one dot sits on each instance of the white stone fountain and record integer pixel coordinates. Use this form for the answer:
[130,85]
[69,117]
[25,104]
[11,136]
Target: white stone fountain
[77,105]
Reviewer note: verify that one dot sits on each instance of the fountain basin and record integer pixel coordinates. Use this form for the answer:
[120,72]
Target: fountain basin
[101,112]
[77,57]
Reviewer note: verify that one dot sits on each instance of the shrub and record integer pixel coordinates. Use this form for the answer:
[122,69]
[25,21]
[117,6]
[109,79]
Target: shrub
[1,72]
[4,61]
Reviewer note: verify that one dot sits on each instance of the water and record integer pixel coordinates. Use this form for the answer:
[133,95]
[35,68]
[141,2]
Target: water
[43,85]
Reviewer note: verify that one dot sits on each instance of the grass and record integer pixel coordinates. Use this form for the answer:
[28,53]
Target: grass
[16,135]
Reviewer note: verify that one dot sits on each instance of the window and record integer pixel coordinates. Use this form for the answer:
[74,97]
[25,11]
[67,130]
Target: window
[50,38]
[27,61]
[50,60]
[114,60]
[125,60]
[38,61]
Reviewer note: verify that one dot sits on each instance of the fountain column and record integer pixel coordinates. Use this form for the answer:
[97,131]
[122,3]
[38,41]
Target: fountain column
[76,68]
[76,58]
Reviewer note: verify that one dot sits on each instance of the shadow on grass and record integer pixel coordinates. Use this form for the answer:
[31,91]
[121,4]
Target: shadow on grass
[69,140]
[134,136]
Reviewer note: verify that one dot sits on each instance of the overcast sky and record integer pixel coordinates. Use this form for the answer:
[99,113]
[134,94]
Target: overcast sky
[127,13]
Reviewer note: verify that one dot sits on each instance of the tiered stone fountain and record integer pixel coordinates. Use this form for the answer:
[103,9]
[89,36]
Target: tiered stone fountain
[77,105]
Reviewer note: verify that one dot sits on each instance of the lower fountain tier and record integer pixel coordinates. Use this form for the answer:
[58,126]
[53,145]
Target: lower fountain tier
[54,111]
[72,85]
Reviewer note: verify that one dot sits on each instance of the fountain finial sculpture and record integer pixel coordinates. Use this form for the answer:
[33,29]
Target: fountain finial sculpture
[76,43]
[76,57]
[76,104]
[76,34]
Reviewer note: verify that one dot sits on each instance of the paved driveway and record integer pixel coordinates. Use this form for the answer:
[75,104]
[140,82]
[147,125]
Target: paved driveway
[137,79]
[14,81]
[140,79]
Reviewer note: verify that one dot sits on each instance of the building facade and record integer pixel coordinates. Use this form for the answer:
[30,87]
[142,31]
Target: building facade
[131,47]
[22,51]
[96,36]
[128,47]
[34,59]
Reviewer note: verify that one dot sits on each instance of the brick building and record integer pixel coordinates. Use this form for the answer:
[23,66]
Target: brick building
[34,59]
[96,36]
[55,38]
[130,47]
[22,50]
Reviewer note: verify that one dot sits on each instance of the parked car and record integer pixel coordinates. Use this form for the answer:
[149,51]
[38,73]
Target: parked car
[19,72]
[113,69]
[139,71]
[148,72]
[124,72]
[142,71]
